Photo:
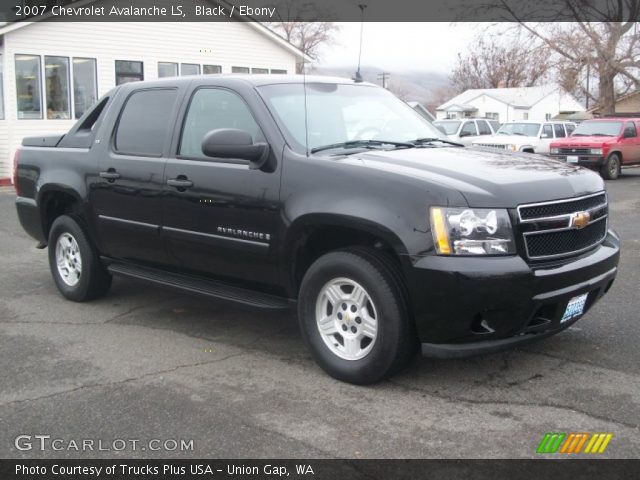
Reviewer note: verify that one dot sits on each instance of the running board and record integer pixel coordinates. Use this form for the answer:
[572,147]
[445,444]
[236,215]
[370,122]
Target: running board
[208,288]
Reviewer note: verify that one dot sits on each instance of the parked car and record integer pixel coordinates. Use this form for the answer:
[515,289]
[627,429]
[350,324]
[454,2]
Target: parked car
[527,136]
[251,189]
[467,130]
[606,144]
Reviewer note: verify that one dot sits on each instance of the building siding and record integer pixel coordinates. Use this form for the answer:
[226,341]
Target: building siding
[217,43]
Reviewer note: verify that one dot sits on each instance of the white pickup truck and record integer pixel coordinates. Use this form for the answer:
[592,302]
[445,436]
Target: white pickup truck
[527,136]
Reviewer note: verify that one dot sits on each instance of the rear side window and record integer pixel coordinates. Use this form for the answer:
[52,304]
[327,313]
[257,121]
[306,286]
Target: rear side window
[559,129]
[469,128]
[211,109]
[145,122]
[483,128]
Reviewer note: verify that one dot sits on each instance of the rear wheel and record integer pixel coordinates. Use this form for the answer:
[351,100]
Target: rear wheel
[353,316]
[74,262]
[611,168]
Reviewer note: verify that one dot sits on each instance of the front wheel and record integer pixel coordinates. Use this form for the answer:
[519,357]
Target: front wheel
[611,168]
[353,316]
[74,263]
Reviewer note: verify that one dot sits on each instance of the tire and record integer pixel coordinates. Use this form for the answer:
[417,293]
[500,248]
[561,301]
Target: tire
[74,262]
[611,168]
[379,338]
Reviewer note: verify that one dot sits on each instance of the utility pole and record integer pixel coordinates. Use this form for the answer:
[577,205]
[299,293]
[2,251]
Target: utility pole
[383,76]
[588,75]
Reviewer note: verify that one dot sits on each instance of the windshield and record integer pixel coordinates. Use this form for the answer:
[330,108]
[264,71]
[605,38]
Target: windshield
[339,113]
[598,128]
[449,128]
[526,129]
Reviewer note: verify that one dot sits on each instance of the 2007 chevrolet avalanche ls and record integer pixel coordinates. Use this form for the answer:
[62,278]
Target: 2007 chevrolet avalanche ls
[327,194]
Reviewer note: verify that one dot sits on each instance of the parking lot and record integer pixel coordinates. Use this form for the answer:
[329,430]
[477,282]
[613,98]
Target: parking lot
[145,363]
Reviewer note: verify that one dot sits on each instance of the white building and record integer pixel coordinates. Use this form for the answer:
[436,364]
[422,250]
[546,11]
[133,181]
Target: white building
[507,104]
[51,72]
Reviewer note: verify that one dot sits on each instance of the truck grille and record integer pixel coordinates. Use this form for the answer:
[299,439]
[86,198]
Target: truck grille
[491,145]
[574,151]
[552,229]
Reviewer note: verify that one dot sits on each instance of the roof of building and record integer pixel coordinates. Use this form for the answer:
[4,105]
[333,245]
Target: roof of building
[10,27]
[619,99]
[523,97]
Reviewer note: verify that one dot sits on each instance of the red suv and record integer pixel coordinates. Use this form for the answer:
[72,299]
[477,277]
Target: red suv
[605,144]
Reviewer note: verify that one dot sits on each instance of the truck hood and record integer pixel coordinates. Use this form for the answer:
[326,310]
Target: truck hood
[505,140]
[584,141]
[486,179]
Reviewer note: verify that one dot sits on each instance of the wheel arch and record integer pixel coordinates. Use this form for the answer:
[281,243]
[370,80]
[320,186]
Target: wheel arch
[55,200]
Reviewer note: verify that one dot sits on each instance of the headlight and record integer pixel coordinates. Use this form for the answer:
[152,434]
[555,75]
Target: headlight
[596,151]
[553,150]
[472,231]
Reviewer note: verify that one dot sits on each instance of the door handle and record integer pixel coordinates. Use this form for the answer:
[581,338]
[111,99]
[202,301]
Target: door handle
[181,183]
[110,174]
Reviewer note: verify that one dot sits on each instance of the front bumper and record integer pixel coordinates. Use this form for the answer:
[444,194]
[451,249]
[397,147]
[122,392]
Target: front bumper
[468,305]
[592,161]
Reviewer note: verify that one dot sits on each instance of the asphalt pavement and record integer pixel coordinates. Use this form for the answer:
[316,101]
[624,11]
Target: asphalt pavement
[148,364]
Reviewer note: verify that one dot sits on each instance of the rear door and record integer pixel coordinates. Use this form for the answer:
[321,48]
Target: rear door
[126,194]
[223,221]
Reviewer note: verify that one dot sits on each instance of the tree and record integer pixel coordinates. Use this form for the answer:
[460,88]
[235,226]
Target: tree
[297,27]
[601,36]
[494,64]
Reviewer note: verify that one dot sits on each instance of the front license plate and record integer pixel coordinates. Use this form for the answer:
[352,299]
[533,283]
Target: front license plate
[572,159]
[575,307]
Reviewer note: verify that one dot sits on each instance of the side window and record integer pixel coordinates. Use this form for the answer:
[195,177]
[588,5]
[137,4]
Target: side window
[145,121]
[469,128]
[547,131]
[630,130]
[570,127]
[210,109]
[559,129]
[483,127]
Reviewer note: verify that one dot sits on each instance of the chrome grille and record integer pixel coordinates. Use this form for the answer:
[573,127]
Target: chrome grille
[548,228]
[491,145]
[574,151]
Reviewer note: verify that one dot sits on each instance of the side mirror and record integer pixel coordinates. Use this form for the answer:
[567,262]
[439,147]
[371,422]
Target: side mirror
[235,144]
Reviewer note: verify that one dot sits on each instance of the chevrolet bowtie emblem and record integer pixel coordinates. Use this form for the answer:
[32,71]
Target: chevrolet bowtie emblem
[579,220]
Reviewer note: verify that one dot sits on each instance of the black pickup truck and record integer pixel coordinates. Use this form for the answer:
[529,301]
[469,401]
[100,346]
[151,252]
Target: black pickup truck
[324,194]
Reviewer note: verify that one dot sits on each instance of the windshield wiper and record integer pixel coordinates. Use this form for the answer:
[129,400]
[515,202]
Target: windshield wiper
[362,143]
[422,141]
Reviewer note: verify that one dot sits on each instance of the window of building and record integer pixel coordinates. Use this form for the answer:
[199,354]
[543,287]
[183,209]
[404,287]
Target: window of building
[146,118]
[278,71]
[85,85]
[128,71]
[239,69]
[167,69]
[493,115]
[525,115]
[28,85]
[1,90]
[259,70]
[211,69]
[56,73]
[559,129]
[547,116]
[483,127]
[210,109]
[189,69]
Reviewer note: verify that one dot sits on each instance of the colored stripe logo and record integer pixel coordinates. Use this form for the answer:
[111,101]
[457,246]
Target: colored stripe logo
[573,443]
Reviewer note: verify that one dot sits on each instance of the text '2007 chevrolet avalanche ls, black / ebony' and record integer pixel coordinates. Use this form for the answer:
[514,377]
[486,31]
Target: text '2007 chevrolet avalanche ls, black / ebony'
[328,194]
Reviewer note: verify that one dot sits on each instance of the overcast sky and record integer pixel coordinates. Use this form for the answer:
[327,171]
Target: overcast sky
[401,46]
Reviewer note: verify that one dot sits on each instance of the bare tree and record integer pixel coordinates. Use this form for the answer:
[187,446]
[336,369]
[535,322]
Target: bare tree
[307,35]
[601,35]
[494,63]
